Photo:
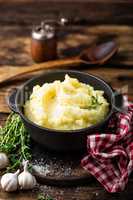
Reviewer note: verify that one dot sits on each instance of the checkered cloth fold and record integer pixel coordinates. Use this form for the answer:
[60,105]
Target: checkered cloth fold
[110,154]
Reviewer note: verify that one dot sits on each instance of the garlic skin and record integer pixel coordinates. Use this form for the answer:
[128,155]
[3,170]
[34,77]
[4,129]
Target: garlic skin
[26,180]
[4,161]
[9,181]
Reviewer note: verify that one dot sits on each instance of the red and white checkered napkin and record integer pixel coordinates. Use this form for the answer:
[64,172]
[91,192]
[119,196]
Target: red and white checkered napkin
[110,155]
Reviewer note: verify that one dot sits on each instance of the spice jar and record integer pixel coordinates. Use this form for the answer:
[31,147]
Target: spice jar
[44,42]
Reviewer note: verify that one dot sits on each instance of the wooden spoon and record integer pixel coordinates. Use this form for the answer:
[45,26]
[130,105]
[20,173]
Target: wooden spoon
[92,56]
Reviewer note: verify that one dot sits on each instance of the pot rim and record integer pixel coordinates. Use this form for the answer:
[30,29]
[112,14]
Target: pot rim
[66,131]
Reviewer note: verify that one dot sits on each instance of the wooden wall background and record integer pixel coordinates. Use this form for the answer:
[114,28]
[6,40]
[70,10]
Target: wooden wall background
[104,19]
[89,11]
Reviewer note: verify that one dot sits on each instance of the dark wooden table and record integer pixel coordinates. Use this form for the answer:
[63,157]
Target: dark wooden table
[114,21]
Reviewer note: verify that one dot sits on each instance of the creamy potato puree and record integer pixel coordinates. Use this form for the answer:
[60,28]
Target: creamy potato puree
[66,105]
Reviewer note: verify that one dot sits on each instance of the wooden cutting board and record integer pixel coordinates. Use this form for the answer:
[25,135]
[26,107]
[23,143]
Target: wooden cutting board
[58,169]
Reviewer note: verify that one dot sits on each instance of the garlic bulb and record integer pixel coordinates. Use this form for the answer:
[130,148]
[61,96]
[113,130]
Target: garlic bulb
[26,180]
[3,161]
[9,181]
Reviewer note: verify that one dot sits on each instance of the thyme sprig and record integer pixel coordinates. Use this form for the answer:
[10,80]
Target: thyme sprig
[15,141]
[95,102]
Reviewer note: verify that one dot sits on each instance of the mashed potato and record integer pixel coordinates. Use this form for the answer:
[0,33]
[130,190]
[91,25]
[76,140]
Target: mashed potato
[66,105]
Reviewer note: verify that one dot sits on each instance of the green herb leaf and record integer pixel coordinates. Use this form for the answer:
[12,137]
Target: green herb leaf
[95,102]
[15,140]
[42,197]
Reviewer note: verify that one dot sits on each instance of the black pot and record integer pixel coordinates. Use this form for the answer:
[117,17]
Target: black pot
[55,139]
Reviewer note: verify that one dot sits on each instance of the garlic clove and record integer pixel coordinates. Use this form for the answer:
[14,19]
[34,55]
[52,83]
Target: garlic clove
[26,180]
[4,161]
[9,181]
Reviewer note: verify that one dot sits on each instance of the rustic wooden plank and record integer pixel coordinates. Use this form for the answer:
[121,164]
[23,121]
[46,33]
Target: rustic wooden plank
[113,12]
[91,192]
[69,1]
[18,196]
[16,51]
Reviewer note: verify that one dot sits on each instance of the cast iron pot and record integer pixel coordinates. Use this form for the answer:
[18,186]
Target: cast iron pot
[62,141]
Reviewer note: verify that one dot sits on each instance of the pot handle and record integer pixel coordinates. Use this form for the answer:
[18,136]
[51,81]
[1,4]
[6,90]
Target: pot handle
[11,101]
[118,105]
